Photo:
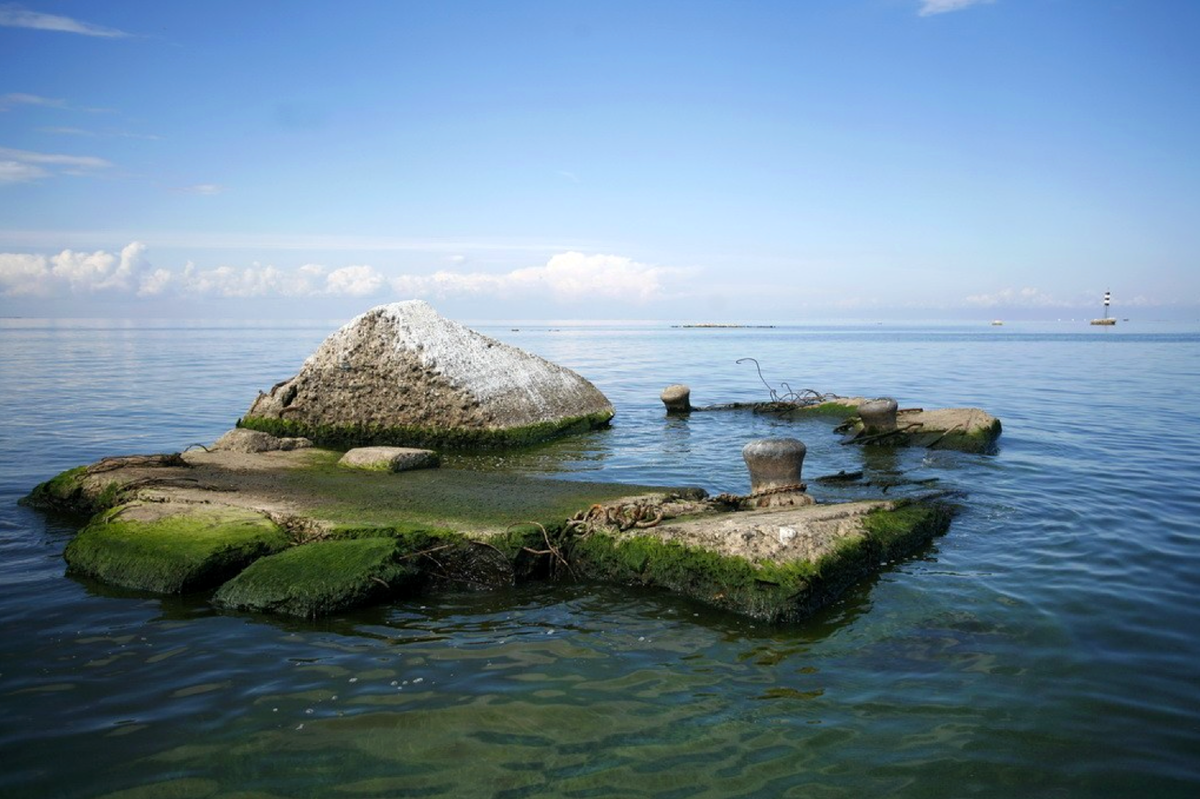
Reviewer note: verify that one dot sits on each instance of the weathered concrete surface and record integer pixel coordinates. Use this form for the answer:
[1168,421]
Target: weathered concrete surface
[965,429]
[389,459]
[779,564]
[183,522]
[401,374]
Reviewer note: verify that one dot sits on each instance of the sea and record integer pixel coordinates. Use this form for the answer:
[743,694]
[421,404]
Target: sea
[1048,645]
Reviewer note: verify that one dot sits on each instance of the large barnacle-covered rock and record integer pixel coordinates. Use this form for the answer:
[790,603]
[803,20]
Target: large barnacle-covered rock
[400,374]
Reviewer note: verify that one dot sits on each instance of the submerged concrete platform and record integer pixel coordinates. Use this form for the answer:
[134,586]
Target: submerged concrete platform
[965,429]
[291,532]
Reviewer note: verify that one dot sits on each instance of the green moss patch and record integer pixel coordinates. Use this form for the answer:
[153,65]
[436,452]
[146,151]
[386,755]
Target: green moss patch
[319,578]
[837,410]
[172,550]
[358,435]
[70,492]
[726,582]
[330,576]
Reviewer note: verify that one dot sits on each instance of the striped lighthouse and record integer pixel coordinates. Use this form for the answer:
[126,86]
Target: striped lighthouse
[1106,319]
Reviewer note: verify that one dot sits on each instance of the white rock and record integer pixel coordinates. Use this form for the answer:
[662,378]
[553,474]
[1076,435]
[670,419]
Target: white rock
[401,373]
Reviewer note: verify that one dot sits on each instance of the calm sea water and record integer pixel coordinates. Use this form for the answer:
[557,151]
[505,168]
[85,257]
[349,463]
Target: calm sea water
[1048,645]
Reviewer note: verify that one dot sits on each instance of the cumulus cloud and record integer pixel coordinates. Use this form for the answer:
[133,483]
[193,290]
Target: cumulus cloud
[15,16]
[931,7]
[73,272]
[22,166]
[567,276]
[354,281]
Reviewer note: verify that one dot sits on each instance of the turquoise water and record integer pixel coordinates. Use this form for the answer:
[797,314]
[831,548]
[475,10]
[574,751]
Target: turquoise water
[1046,646]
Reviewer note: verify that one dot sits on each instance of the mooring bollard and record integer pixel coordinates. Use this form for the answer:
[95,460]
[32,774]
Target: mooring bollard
[775,465]
[878,415]
[677,398]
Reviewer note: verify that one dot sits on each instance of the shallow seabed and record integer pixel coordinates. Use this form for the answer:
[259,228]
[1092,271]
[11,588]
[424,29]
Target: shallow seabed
[1046,646]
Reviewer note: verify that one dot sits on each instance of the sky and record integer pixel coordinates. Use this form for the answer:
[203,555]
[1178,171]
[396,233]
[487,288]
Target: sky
[693,161]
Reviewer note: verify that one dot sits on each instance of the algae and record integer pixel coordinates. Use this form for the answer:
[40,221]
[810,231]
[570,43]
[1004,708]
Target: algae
[319,578]
[171,550]
[360,435]
[67,492]
[329,576]
[458,499]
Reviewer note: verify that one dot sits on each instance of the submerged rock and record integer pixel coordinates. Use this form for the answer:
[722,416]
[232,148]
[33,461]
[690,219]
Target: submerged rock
[401,374]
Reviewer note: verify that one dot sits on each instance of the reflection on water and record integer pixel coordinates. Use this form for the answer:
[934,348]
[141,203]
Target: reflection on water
[1045,646]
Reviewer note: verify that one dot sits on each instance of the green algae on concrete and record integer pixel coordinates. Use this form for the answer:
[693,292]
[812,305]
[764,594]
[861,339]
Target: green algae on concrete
[459,499]
[319,578]
[101,485]
[774,590]
[63,492]
[348,436]
[354,537]
[172,548]
[328,576]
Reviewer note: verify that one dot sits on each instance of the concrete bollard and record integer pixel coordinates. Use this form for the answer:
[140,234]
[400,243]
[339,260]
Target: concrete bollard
[775,465]
[878,415]
[677,398]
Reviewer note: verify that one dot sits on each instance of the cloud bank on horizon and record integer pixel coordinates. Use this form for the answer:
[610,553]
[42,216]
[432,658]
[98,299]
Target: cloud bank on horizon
[566,276]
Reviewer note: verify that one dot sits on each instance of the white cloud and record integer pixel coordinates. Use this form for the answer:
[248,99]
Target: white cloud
[154,283]
[15,16]
[16,172]
[19,98]
[567,276]
[931,7]
[73,272]
[22,166]
[23,275]
[100,271]
[354,281]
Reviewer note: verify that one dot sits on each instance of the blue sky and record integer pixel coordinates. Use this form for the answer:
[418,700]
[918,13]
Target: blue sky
[749,161]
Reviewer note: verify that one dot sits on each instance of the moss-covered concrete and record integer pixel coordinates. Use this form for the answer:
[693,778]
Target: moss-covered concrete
[779,590]
[963,429]
[291,532]
[468,501]
[172,549]
[329,576]
[73,492]
[461,439]
[319,578]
